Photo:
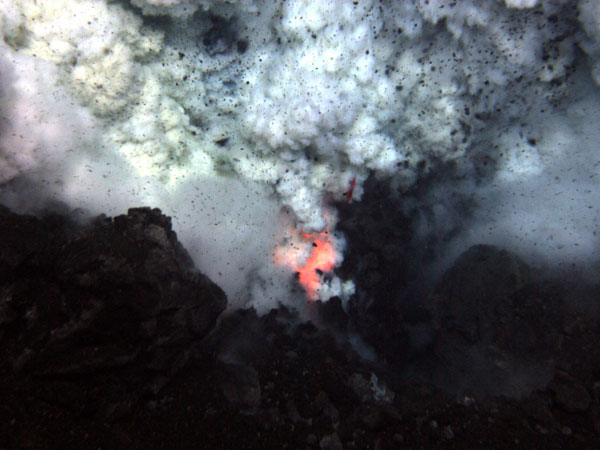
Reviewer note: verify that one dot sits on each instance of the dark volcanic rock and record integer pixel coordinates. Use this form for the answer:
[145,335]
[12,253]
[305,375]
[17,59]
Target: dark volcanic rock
[569,394]
[95,321]
[474,290]
[497,327]
[108,340]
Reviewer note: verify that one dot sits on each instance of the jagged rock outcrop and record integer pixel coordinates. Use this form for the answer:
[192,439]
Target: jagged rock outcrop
[108,340]
[498,325]
[98,317]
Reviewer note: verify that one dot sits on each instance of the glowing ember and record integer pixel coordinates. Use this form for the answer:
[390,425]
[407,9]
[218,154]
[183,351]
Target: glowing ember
[310,255]
[322,259]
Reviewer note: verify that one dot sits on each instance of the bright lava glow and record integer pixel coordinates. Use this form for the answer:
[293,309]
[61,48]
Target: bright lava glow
[309,255]
[322,259]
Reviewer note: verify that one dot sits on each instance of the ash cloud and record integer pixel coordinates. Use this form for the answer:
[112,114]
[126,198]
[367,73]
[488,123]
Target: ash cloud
[104,106]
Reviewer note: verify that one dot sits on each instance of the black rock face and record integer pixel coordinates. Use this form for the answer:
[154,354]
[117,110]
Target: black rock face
[499,327]
[95,320]
[109,339]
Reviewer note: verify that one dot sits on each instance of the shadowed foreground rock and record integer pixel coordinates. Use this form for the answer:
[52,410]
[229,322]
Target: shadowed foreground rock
[94,320]
[108,340]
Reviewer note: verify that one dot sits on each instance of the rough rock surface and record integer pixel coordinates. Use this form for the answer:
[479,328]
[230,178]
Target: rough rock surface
[497,328]
[93,320]
[108,340]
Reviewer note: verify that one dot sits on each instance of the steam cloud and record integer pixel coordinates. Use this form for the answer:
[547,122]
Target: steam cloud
[246,121]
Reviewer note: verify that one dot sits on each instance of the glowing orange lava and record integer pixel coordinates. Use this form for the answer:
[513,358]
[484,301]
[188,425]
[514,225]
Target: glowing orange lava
[322,259]
[310,255]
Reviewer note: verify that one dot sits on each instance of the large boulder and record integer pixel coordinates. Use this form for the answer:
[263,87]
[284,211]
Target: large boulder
[497,325]
[93,318]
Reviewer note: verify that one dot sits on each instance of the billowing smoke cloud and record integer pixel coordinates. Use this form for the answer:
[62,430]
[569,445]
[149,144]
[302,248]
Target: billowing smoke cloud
[246,121]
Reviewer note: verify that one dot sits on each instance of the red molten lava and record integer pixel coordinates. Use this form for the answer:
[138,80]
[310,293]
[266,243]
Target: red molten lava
[322,259]
[351,190]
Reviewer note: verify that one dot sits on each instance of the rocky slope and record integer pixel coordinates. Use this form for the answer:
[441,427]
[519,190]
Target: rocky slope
[110,339]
